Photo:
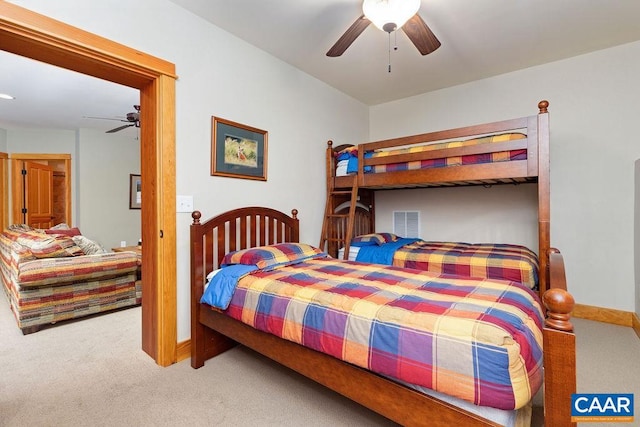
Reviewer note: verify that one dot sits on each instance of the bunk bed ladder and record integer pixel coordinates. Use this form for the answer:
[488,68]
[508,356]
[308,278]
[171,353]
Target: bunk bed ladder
[337,228]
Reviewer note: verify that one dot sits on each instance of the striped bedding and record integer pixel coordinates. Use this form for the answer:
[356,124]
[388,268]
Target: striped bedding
[478,340]
[48,279]
[49,304]
[350,155]
[20,266]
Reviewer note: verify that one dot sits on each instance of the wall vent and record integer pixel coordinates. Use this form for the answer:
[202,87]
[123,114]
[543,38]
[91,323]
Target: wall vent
[406,223]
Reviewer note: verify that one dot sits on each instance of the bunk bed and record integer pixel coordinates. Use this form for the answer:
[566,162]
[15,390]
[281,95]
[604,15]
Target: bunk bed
[512,151]
[227,239]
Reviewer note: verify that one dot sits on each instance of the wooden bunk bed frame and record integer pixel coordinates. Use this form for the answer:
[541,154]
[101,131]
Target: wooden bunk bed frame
[339,227]
[212,332]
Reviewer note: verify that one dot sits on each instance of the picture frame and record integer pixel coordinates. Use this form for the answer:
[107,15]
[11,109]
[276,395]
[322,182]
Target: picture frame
[237,150]
[135,191]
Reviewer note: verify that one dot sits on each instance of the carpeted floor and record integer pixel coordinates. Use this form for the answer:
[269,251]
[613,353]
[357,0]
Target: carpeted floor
[93,373]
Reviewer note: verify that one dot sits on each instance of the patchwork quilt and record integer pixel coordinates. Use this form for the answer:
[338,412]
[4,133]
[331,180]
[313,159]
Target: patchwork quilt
[476,339]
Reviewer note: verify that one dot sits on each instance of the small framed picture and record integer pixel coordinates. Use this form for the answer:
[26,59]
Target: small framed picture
[238,151]
[135,191]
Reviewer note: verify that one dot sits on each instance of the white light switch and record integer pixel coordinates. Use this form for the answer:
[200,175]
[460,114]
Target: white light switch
[184,204]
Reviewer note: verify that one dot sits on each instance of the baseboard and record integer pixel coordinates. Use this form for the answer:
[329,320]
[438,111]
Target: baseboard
[184,350]
[604,315]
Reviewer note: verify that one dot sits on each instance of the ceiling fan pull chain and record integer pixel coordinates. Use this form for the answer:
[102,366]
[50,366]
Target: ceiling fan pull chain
[389,69]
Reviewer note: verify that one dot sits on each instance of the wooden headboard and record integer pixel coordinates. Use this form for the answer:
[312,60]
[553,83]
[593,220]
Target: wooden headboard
[210,240]
[238,229]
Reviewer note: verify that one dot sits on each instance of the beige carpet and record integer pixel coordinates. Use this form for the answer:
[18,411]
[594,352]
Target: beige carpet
[93,373]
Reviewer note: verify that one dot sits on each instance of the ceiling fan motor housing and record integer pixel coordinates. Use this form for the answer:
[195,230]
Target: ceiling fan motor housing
[389,27]
[389,15]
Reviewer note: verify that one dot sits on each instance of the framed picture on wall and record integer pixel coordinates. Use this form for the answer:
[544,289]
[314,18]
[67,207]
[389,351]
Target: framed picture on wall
[238,151]
[135,191]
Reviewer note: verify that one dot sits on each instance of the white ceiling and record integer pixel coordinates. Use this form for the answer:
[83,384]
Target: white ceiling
[50,97]
[480,38]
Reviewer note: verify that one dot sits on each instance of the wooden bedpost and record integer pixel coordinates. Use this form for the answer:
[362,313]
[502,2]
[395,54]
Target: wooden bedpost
[197,330]
[204,341]
[544,196]
[197,288]
[559,343]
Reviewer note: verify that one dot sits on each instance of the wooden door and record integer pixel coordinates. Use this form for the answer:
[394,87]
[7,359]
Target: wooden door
[38,195]
[60,195]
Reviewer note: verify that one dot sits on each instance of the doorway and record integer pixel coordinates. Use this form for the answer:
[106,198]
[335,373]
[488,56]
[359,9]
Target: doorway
[38,37]
[32,202]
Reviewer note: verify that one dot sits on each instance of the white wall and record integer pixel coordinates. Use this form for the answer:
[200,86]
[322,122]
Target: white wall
[104,164]
[636,252]
[462,214]
[220,75]
[100,168]
[593,113]
[3,140]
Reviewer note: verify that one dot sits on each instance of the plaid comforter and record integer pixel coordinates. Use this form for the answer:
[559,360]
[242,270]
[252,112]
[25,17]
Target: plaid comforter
[478,340]
[351,154]
[494,261]
[472,159]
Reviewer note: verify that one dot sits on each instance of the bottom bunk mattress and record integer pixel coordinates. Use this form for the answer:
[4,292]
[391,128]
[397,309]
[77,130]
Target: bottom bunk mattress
[487,260]
[477,340]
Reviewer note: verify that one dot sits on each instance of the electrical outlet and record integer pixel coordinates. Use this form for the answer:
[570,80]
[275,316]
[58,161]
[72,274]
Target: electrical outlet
[184,204]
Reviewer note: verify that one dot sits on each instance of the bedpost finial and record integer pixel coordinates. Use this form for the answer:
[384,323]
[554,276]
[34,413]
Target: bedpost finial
[543,105]
[329,143]
[196,215]
[559,304]
[294,213]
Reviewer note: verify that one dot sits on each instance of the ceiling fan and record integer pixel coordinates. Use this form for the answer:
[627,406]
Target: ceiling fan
[133,119]
[389,15]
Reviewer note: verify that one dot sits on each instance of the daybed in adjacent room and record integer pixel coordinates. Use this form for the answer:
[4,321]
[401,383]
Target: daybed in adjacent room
[58,274]
[477,349]
[512,151]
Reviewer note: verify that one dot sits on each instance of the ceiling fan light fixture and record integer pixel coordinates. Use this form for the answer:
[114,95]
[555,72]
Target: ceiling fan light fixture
[389,15]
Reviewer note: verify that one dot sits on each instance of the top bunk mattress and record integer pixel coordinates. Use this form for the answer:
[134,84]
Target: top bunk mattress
[347,158]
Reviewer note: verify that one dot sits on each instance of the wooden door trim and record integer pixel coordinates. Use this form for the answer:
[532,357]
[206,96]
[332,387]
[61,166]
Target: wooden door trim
[4,190]
[39,37]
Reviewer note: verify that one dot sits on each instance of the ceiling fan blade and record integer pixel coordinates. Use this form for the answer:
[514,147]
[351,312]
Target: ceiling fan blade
[120,128]
[420,35]
[349,36]
[104,118]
